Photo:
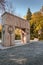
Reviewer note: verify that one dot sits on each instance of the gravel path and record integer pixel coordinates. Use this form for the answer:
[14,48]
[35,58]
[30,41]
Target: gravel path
[29,54]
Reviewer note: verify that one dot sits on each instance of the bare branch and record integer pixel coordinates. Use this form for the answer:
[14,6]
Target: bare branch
[2,4]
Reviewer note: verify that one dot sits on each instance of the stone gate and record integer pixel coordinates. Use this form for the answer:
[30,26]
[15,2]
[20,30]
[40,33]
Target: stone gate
[9,23]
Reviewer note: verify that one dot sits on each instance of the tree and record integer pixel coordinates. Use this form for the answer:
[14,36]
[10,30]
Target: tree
[37,20]
[10,7]
[2,4]
[17,34]
[41,10]
[29,14]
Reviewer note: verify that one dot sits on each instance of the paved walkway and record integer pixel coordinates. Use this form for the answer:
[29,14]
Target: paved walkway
[29,54]
[16,43]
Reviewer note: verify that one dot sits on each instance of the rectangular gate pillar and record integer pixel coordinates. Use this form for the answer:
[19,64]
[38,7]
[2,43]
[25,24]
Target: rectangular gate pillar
[27,35]
[13,37]
[7,38]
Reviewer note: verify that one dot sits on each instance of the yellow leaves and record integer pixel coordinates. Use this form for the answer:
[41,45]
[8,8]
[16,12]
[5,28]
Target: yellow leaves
[36,21]
[18,31]
[38,27]
[0,27]
[36,15]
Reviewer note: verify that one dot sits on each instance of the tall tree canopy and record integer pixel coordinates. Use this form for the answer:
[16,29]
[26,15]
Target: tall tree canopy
[28,16]
[37,19]
[36,22]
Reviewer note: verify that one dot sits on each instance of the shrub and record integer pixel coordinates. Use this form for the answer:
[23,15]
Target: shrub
[17,37]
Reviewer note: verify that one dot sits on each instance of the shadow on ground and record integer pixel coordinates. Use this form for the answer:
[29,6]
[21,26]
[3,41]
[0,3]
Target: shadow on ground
[29,54]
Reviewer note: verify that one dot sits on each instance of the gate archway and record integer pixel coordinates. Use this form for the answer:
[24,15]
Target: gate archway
[10,22]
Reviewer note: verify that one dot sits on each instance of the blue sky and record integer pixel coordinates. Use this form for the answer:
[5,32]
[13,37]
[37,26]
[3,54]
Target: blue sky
[21,6]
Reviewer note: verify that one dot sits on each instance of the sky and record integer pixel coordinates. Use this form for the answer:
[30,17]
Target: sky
[20,6]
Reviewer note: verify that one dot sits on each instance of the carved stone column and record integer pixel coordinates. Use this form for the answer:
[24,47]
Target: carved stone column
[27,35]
[10,31]
[23,37]
[5,36]
[13,36]
[7,32]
